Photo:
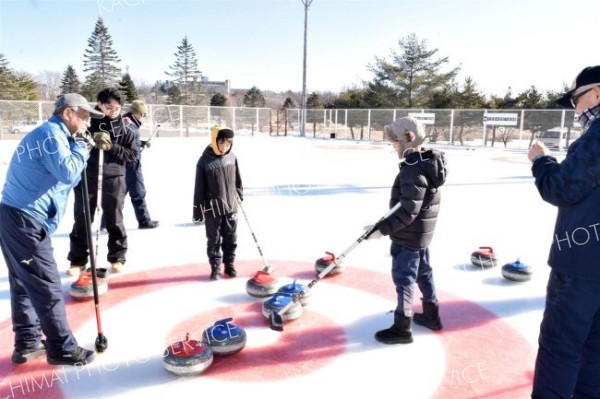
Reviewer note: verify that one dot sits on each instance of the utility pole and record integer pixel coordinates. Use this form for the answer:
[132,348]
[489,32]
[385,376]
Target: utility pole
[306,4]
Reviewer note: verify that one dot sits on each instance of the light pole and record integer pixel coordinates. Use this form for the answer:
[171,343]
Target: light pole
[307,4]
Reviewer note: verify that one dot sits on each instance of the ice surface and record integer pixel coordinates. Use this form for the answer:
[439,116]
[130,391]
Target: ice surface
[304,197]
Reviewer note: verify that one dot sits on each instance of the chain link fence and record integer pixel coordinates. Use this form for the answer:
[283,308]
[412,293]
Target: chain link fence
[508,128]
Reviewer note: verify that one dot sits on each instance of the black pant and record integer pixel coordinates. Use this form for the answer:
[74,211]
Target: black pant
[113,199]
[137,191]
[36,296]
[221,234]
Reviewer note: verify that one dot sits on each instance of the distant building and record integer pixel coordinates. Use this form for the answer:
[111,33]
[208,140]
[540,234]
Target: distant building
[216,86]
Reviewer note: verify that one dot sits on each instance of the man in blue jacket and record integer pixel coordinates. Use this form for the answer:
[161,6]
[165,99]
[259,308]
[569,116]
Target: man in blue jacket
[46,165]
[568,359]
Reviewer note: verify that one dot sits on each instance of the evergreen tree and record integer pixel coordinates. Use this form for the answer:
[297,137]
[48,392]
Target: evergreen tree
[254,98]
[16,86]
[413,74]
[531,99]
[443,98]
[128,89]
[314,101]
[509,101]
[378,95]
[218,100]
[469,96]
[185,71]
[100,61]
[6,79]
[289,103]
[70,82]
[174,95]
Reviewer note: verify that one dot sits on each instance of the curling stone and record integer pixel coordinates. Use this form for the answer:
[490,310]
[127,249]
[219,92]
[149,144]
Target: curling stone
[295,289]
[262,285]
[278,302]
[322,263]
[84,288]
[188,357]
[484,257]
[225,338]
[516,271]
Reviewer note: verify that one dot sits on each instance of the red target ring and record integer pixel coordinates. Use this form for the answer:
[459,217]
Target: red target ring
[484,356]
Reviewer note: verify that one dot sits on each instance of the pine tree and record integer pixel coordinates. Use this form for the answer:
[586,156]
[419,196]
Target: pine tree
[218,100]
[289,103]
[70,82]
[174,95]
[414,74]
[185,71]
[254,98]
[314,101]
[100,61]
[6,79]
[128,89]
[16,86]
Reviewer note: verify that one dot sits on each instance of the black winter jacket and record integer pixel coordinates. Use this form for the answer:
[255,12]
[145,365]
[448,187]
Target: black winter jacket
[123,147]
[417,188]
[218,181]
[574,187]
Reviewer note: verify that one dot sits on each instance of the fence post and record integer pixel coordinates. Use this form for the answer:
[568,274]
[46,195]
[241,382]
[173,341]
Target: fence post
[369,123]
[346,121]
[451,127]
[234,127]
[208,120]
[257,123]
[181,121]
[336,123]
[521,125]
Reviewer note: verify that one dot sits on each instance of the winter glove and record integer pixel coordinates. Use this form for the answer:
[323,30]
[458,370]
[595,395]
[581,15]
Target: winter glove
[85,137]
[102,140]
[145,143]
[375,234]
[198,217]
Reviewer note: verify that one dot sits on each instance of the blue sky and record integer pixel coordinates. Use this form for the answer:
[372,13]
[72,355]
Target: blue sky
[516,43]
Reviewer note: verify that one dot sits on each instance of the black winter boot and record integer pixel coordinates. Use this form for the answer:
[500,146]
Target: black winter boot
[398,333]
[214,272]
[230,269]
[430,317]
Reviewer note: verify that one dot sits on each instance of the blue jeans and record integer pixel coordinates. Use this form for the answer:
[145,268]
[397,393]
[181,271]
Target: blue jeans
[568,358]
[410,266]
[36,296]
